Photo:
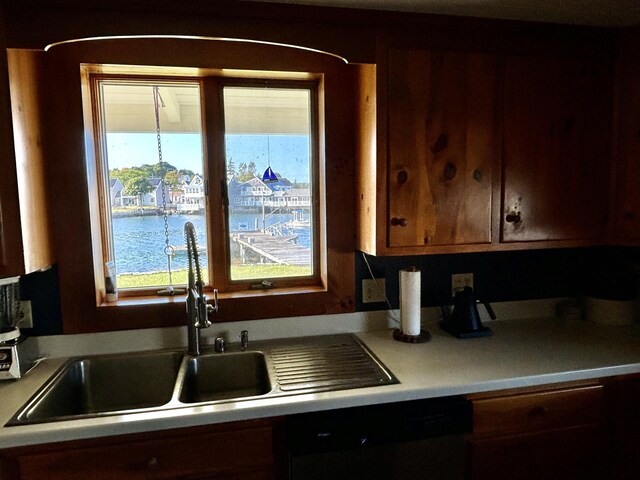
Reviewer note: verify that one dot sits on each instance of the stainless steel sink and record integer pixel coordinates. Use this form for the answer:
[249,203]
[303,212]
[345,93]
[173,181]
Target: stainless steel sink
[99,385]
[214,377]
[140,382]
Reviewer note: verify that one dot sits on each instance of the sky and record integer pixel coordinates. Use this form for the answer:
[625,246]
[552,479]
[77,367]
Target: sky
[287,154]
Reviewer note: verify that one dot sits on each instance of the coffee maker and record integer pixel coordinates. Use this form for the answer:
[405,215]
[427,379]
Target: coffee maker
[12,363]
[464,321]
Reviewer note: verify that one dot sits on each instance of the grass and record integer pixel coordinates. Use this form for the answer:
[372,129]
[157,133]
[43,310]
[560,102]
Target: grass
[238,272]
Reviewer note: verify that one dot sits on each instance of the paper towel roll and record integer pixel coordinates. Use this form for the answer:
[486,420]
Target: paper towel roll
[410,301]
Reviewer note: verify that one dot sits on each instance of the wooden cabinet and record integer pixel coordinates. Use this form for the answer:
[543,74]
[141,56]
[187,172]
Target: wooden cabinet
[237,451]
[556,148]
[428,159]
[623,395]
[441,147]
[625,212]
[24,224]
[559,432]
[462,151]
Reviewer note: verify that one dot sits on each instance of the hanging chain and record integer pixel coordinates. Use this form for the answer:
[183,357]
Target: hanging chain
[168,249]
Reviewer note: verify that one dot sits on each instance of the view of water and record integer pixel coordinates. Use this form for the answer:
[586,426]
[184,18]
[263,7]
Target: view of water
[139,241]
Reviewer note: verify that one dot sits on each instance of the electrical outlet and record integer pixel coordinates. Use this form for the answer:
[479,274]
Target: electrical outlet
[27,318]
[373,290]
[459,281]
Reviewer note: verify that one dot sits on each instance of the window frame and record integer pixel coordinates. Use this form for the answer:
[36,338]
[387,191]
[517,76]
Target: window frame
[69,145]
[214,173]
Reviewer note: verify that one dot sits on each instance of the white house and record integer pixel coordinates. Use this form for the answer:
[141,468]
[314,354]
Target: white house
[151,199]
[115,192]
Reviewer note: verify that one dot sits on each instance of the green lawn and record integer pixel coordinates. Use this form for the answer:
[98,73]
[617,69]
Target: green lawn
[238,272]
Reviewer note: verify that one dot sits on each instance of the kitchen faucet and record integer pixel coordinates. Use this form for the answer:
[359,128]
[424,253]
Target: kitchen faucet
[197,307]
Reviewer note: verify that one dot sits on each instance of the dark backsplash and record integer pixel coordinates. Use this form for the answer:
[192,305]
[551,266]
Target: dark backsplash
[503,276]
[498,277]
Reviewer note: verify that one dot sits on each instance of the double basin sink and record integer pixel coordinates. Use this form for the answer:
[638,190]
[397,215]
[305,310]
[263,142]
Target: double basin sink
[147,381]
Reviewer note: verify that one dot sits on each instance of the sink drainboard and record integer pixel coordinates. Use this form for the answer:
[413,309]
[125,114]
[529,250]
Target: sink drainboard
[339,365]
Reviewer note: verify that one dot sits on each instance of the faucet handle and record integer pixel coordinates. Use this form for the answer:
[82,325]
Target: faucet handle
[244,339]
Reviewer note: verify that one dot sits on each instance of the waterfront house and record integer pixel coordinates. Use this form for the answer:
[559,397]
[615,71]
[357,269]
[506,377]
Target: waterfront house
[115,192]
[151,199]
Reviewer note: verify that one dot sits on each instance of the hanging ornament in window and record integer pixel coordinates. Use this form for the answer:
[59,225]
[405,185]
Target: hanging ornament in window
[268,175]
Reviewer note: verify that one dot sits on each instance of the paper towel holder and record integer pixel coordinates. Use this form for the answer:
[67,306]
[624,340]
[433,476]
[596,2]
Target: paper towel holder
[403,337]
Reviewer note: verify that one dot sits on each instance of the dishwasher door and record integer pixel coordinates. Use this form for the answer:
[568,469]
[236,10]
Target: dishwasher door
[407,440]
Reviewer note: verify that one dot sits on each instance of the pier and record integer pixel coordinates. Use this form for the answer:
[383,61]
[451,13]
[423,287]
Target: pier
[280,249]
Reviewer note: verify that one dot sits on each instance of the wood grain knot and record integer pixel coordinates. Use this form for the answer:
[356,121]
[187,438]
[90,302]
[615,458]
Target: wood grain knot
[449,171]
[568,124]
[402,177]
[441,143]
[399,222]
[477,175]
[538,411]
[628,216]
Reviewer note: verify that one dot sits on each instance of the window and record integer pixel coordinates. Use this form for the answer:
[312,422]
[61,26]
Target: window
[159,153]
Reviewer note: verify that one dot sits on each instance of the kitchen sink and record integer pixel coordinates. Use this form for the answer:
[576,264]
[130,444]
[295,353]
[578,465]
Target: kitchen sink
[151,381]
[98,385]
[213,377]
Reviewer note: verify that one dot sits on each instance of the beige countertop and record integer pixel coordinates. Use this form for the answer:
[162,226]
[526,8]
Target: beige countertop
[520,353]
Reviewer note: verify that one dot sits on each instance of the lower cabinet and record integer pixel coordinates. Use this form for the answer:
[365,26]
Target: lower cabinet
[236,451]
[553,433]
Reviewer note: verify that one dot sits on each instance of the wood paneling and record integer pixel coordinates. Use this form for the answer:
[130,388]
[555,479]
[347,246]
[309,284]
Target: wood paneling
[556,148]
[625,211]
[442,147]
[11,256]
[74,232]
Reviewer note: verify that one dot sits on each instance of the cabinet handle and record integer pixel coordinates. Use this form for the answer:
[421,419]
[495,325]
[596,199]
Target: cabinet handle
[402,222]
[152,463]
[537,411]
[513,217]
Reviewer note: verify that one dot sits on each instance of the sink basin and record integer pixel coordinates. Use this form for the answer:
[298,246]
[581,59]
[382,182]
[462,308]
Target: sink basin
[98,385]
[213,377]
[163,380]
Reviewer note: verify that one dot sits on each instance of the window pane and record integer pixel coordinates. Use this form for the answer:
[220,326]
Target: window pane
[271,224]
[136,179]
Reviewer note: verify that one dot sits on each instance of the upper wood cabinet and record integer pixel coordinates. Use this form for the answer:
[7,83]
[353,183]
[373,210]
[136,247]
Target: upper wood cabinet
[25,225]
[463,151]
[442,147]
[427,178]
[625,212]
[556,148]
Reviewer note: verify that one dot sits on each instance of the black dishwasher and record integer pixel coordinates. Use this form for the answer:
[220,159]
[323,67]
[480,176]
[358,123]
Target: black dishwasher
[405,440]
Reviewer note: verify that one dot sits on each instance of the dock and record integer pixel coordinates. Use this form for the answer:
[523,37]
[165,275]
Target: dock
[280,249]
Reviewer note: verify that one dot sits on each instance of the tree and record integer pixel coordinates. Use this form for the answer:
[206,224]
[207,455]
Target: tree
[138,185]
[158,170]
[173,179]
[246,172]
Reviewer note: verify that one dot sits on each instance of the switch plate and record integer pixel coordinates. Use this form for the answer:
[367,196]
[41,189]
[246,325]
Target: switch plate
[373,290]
[27,318]
[459,281]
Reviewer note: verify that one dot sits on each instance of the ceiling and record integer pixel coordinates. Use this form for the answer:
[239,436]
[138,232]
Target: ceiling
[609,13]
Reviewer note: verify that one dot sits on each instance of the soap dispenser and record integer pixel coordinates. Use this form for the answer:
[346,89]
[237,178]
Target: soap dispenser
[464,321]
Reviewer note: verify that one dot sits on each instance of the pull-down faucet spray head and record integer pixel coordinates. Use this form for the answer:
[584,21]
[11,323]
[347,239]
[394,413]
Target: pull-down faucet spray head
[197,307]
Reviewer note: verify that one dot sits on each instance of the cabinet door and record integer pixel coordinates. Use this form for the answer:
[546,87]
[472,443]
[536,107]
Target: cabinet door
[441,146]
[626,204]
[233,454]
[556,148]
[569,454]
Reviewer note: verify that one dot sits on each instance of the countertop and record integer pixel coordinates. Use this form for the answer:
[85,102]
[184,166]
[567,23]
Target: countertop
[520,353]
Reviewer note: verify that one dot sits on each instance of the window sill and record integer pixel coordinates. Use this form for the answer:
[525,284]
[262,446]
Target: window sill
[180,299]
[155,312]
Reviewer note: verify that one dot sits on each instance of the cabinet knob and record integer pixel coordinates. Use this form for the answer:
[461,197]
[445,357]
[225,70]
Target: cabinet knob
[402,222]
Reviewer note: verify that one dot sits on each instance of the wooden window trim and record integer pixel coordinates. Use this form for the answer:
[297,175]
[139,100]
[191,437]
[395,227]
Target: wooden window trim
[73,228]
